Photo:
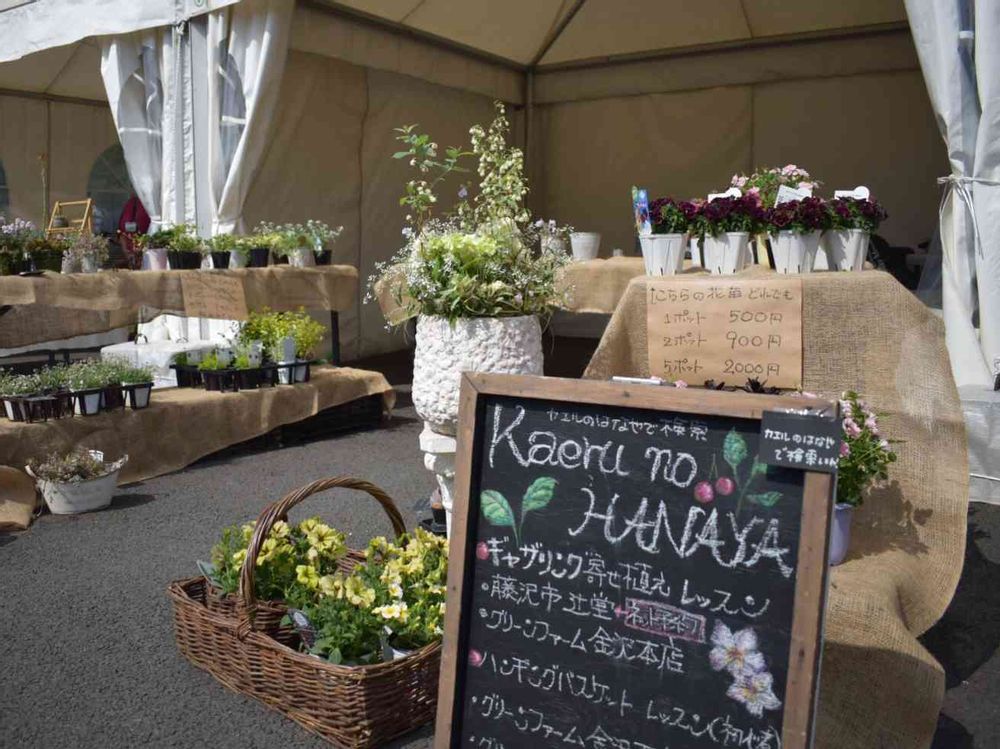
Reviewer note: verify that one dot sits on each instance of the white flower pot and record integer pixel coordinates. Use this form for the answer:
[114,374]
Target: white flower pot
[156,258]
[285,374]
[237,260]
[694,247]
[793,252]
[846,248]
[137,394]
[727,253]
[663,254]
[302,257]
[71,497]
[87,402]
[299,372]
[9,410]
[585,244]
[840,533]
[511,345]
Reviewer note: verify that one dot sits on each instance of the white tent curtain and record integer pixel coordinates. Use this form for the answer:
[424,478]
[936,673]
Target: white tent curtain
[958,42]
[148,85]
[246,45]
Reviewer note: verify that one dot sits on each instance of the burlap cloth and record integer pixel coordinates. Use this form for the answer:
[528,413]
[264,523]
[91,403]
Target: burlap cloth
[184,424]
[124,293]
[864,331]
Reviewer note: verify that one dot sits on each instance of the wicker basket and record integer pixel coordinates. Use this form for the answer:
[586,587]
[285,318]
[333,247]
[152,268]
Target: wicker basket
[349,706]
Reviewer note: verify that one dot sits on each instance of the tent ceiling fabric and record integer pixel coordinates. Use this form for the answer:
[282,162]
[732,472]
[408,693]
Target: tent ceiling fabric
[516,30]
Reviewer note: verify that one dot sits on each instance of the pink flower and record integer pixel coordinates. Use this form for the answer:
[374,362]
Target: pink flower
[871,424]
[753,191]
[845,449]
[806,185]
[475,658]
[680,384]
[884,444]
[851,429]
[806,394]
[789,169]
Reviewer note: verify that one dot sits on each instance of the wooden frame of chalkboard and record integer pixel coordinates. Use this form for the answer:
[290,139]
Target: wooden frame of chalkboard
[805,599]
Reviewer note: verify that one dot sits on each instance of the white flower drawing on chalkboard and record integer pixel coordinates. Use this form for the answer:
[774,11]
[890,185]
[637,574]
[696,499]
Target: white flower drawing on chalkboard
[737,653]
[497,510]
[755,692]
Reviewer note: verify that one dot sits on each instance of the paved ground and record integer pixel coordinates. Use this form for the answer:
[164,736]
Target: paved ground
[87,657]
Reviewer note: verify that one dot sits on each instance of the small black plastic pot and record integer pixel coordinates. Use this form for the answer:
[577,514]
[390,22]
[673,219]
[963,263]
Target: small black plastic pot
[184,260]
[88,402]
[248,379]
[38,408]
[220,260]
[258,257]
[13,407]
[62,404]
[112,398]
[323,257]
[280,260]
[219,380]
[137,394]
[188,375]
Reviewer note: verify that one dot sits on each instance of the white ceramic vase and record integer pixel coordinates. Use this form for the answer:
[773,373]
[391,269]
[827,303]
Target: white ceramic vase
[846,248]
[585,244]
[663,254]
[155,258]
[302,257]
[510,345]
[794,252]
[840,532]
[727,253]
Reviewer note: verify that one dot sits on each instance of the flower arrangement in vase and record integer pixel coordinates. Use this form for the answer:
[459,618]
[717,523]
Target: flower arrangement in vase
[14,239]
[663,250]
[726,225]
[852,222]
[795,228]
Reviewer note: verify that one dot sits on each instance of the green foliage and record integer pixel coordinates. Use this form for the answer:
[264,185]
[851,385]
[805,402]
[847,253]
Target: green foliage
[421,153]
[764,499]
[539,494]
[497,510]
[734,449]
[181,359]
[209,362]
[222,243]
[271,327]
[184,238]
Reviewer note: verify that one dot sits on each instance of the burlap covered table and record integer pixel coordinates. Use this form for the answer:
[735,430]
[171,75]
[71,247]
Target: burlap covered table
[115,298]
[864,331]
[184,424]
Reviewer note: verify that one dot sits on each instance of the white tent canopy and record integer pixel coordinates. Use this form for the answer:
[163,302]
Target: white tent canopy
[668,94]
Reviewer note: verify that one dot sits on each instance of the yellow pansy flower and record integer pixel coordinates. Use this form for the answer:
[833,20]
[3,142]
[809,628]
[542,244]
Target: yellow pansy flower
[280,529]
[239,556]
[307,576]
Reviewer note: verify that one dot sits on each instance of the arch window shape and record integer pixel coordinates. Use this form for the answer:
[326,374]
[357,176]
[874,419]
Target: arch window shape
[110,187]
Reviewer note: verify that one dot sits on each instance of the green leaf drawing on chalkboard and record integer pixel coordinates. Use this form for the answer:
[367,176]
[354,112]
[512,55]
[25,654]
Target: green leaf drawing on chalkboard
[496,508]
[539,494]
[758,468]
[765,499]
[734,449]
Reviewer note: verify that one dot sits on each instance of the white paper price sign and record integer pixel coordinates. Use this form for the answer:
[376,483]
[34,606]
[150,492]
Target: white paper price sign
[858,193]
[786,194]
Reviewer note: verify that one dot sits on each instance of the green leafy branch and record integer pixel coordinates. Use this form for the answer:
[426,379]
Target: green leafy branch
[497,510]
[735,453]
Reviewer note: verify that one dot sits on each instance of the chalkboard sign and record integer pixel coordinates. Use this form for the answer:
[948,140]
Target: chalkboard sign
[627,574]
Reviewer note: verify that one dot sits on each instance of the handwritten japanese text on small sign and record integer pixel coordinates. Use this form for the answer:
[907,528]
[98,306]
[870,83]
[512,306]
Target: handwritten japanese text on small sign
[725,330]
[212,294]
[807,442]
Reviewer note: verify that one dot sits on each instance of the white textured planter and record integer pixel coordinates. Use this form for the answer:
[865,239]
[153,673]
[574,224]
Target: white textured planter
[510,345]
[840,533]
[727,253]
[846,248]
[663,254]
[793,252]
[585,244]
[694,247]
[156,258]
[72,497]
[302,257]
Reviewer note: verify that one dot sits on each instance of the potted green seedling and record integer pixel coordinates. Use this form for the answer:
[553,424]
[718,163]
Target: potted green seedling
[221,249]
[307,334]
[80,481]
[155,247]
[322,238]
[261,243]
[112,398]
[14,389]
[87,383]
[137,385]
[185,249]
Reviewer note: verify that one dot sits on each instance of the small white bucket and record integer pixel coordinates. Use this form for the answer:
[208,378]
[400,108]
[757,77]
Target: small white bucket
[585,244]
[73,497]
[846,248]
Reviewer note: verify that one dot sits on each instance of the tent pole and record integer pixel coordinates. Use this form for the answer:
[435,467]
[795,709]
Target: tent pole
[529,115]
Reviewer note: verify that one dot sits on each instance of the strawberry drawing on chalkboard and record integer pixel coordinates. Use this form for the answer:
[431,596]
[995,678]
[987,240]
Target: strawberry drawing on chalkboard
[497,510]
[736,453]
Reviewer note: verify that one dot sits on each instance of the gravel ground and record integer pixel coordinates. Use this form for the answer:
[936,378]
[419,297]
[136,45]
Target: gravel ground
[86,648]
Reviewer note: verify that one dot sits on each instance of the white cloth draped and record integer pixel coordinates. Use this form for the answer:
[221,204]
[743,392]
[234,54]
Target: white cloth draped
[247,47]
[958,43]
